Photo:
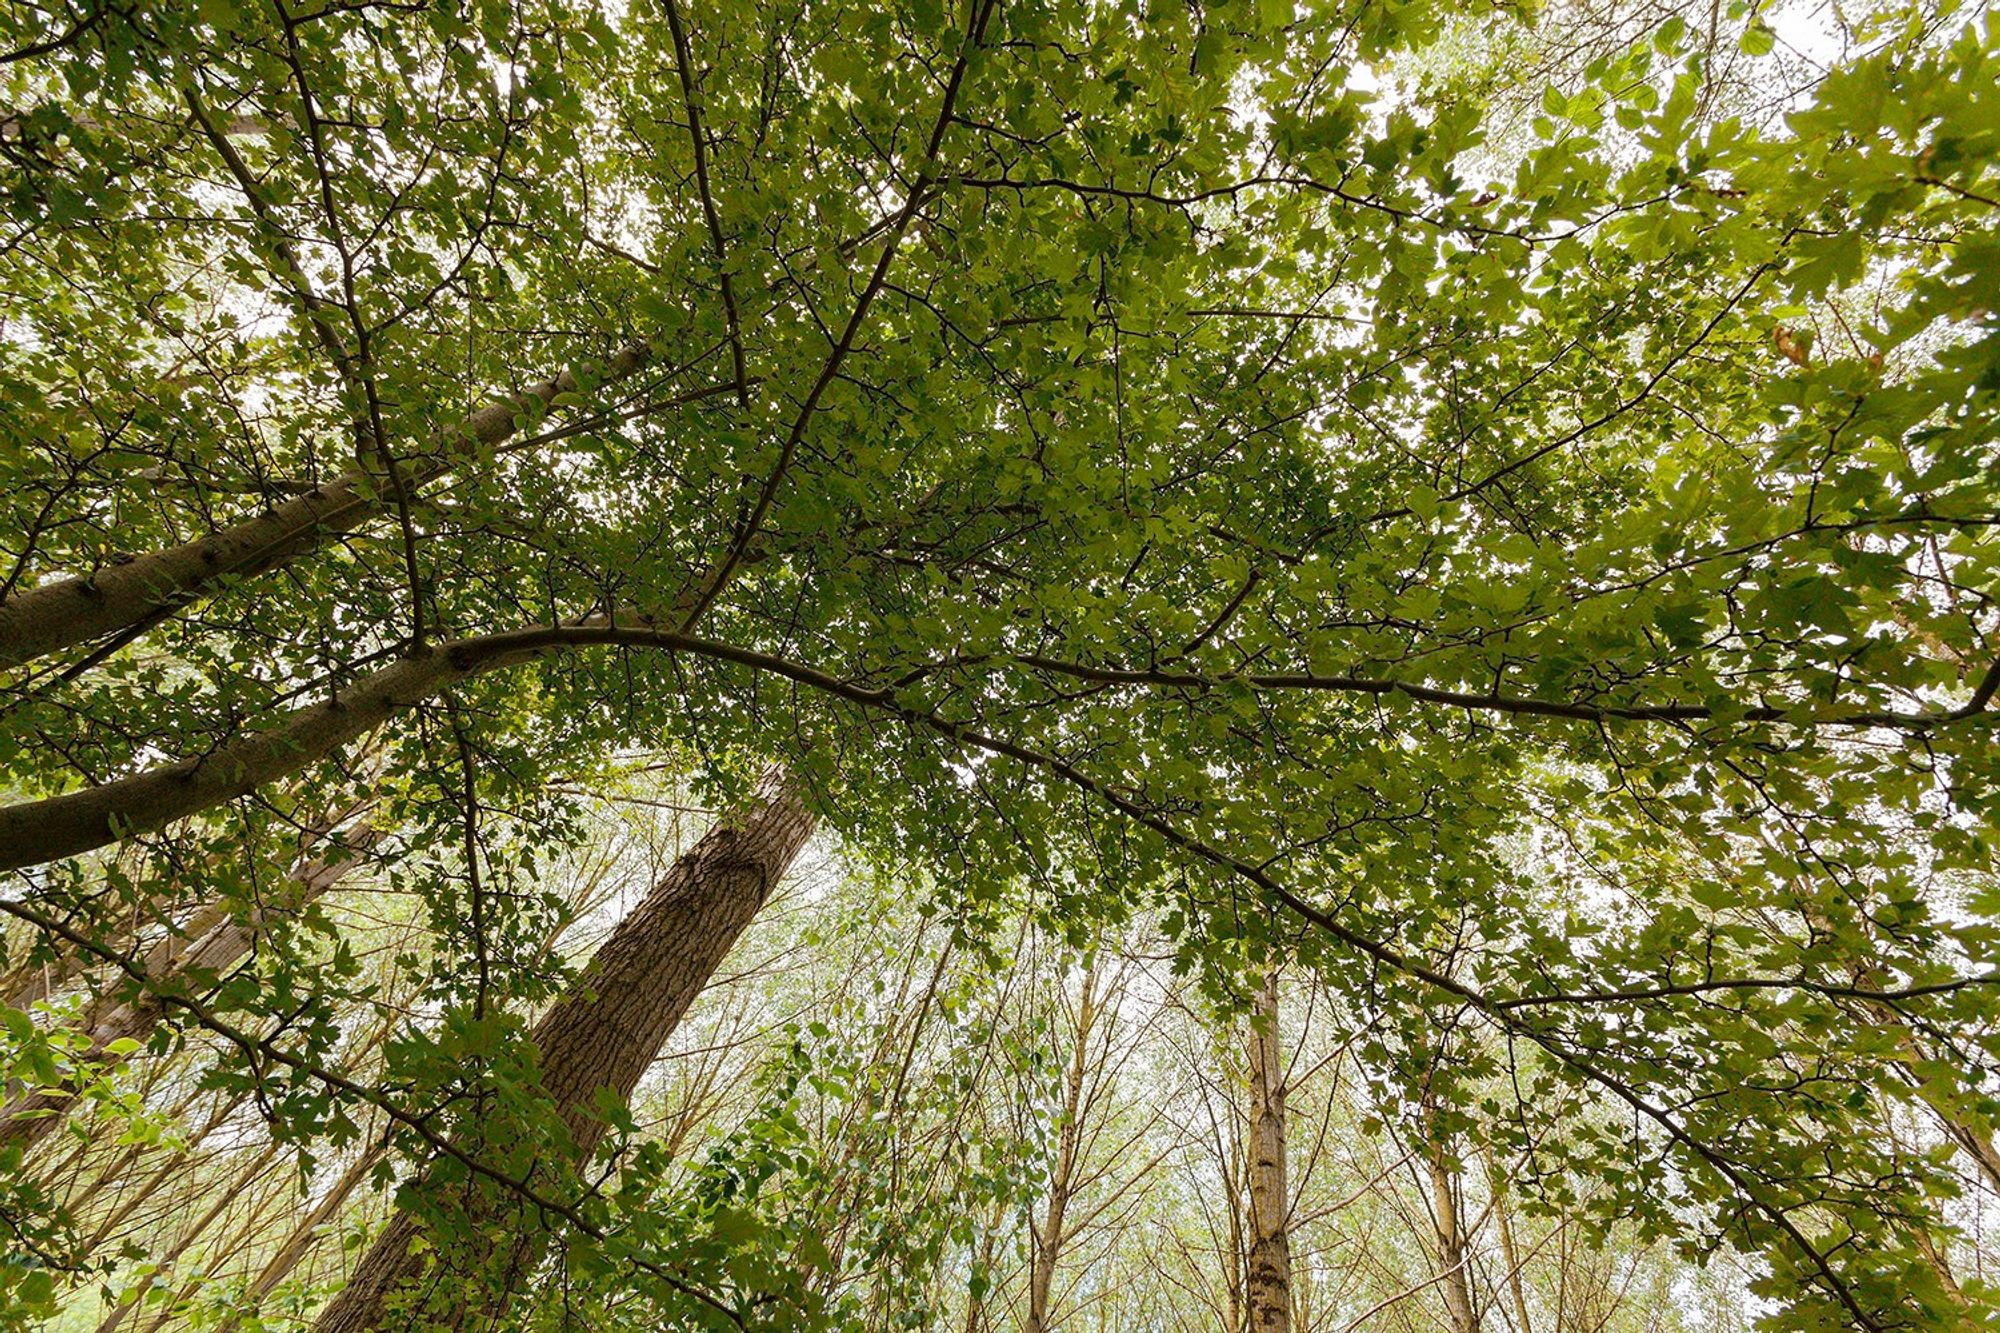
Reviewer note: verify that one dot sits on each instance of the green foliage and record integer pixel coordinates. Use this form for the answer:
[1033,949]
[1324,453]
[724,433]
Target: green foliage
[1517,544]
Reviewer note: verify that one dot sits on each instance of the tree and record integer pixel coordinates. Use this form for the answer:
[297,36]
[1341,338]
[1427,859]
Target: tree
[1268,1274]
[191,957]
[1453,1258]
[1047,1235]
[1213,459]
[592,1048]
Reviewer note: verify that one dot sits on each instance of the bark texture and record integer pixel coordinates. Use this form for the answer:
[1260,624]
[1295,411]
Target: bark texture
[1268,1282]
[65,612]
[606,1030]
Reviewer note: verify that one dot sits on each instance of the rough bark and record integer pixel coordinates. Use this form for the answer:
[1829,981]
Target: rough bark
[66,612]
[214,943]
[1268,1276]
[606,1030]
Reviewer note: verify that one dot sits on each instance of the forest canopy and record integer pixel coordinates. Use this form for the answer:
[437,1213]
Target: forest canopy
[1323,664]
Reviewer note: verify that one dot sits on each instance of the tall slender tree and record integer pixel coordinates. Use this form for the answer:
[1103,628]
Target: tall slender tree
[1267,1287]
[1049,1233]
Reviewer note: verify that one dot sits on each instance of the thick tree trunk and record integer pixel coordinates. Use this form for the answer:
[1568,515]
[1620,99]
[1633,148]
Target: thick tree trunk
[1049,1236]
[57,615]
[181,959]
[610,1026]
[34,832]
[1268,1279]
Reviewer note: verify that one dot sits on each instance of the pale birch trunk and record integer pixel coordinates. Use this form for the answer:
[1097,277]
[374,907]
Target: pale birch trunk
[1267,1306]
[1453,1260]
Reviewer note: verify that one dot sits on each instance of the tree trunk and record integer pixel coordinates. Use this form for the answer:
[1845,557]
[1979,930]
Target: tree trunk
[58,826]
[223,1198]
[287,1257]
[65,612]
[1510,1253]
[1452,1257]
[35,832]
[181,961]
[1048,1237]
[606,1030]
[1268,1280]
